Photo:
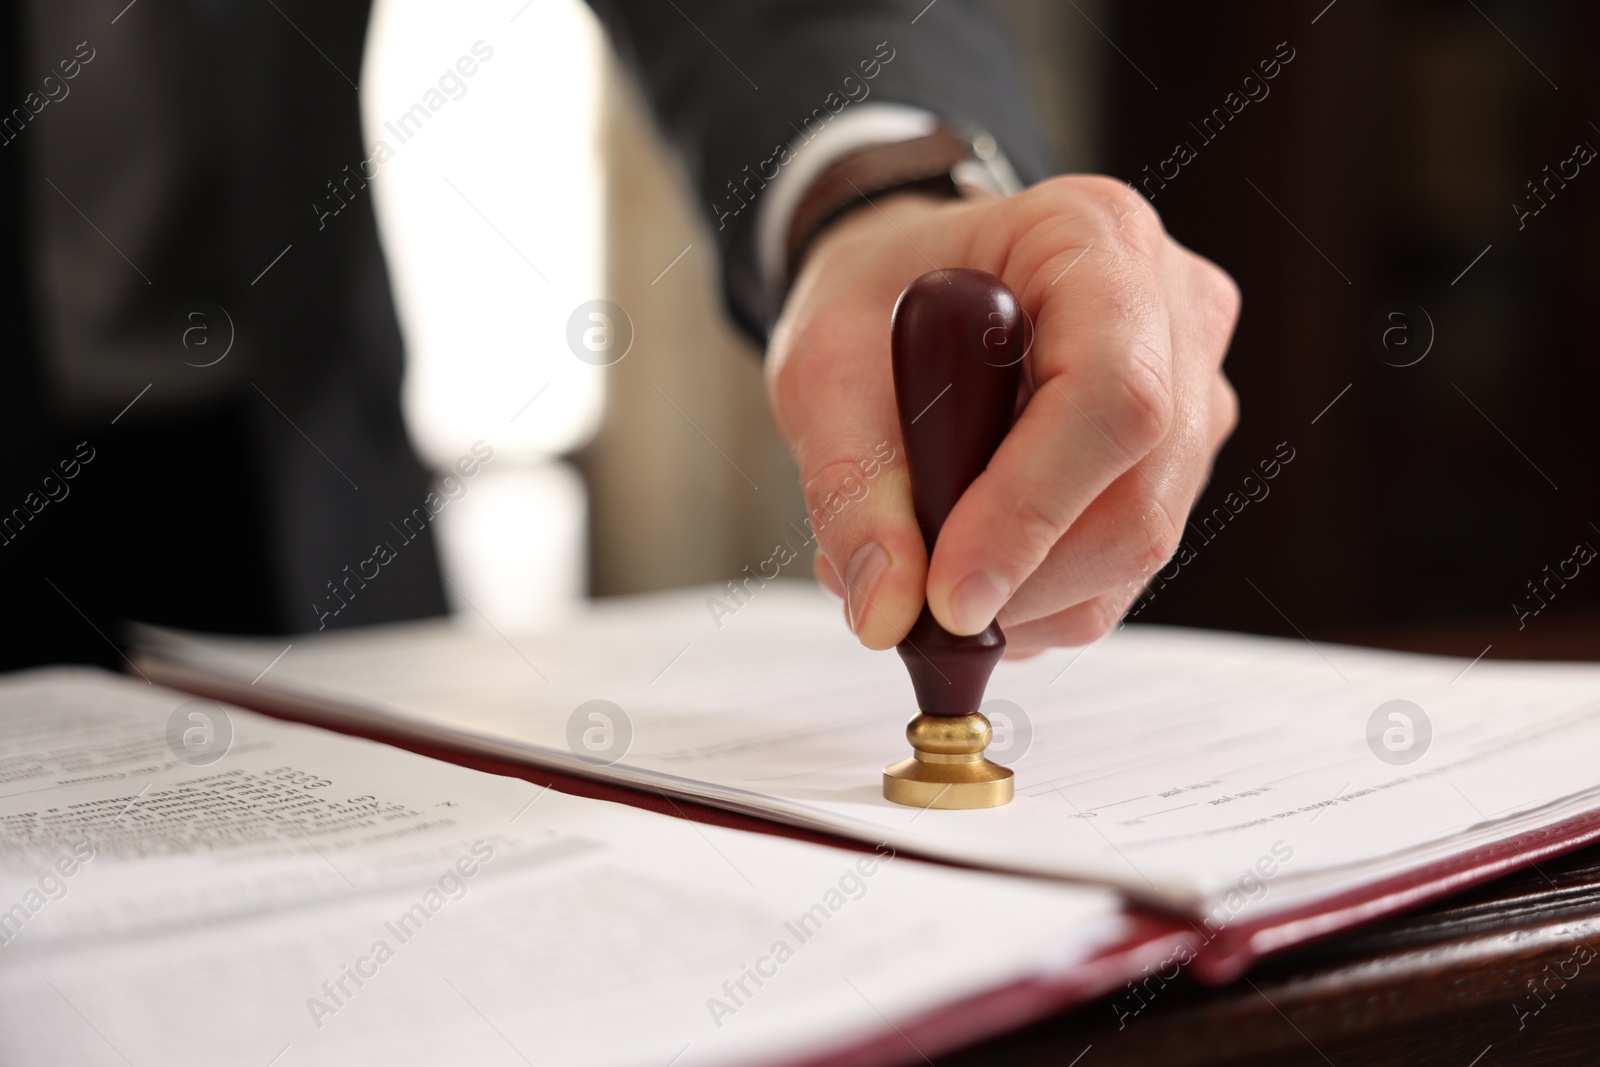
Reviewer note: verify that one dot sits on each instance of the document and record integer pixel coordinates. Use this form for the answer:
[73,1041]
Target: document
[270,893]
[1206,772]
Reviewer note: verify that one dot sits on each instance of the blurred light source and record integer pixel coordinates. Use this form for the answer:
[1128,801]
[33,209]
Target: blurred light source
[490,212]
[515,545]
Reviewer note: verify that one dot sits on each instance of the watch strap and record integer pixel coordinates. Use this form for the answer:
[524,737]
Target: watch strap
[925,163]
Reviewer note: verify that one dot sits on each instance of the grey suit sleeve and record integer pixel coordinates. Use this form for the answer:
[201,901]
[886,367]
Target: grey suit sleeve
[732,80]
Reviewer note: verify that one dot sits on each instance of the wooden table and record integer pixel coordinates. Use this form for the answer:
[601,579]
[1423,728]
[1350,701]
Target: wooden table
[1505,974]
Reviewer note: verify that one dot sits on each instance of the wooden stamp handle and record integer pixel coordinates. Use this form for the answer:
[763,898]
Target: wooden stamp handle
[957,342]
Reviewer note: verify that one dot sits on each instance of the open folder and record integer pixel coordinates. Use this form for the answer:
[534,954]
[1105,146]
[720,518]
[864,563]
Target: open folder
[1261,791]
[185,883]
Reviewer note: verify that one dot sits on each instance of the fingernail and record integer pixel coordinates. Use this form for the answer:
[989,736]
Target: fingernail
[862,574]
[977,599]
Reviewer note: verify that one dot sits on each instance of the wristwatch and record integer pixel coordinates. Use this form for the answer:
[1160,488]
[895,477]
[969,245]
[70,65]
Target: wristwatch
[950,161]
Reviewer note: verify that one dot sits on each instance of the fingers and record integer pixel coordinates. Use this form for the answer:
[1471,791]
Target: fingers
[827,577]
[1103,400]
[1056,462]
[1077,625]
[1132,529]
[1118,543]
[1089,494]
[845,437]
[861,511]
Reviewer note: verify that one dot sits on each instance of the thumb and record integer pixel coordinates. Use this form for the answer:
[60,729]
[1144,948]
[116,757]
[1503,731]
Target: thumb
[834,403]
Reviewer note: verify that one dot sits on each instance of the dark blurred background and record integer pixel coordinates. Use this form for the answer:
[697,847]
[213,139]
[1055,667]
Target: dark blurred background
[1384,158]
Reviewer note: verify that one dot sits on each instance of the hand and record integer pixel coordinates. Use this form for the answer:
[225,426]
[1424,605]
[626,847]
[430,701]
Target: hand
[1124,408]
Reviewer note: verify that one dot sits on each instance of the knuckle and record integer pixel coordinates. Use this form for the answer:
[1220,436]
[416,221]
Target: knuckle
[1104,190]
[827,477]
[1112,205]
[832,488]
[1054,222]
[1224,291]
[792,367]
[1227,408]
[1036,526]
[1101,618]
[1081,624]
[1162,531]
[1064,191]
[1140,233]
[1219,301]
[1125,217]
[1139,405]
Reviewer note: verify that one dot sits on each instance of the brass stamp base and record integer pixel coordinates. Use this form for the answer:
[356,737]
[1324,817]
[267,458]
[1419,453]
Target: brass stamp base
[947,769]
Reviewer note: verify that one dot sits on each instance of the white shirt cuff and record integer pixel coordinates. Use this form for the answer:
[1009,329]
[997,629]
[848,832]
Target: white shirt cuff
[862,126]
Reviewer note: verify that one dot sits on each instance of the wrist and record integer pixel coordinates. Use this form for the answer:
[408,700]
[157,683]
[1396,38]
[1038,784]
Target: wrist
[865,219]
[945,162]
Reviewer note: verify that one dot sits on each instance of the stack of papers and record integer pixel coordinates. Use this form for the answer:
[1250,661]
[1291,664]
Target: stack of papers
[296,897]
[1261,788]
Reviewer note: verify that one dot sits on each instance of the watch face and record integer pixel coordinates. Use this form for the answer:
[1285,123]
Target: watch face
[974,178]
[989,169]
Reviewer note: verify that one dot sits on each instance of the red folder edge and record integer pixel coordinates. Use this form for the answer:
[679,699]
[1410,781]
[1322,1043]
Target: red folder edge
[1151,942]
[1236,948]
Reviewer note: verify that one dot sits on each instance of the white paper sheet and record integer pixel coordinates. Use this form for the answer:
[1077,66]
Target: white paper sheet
[414,912]
[1196,769]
